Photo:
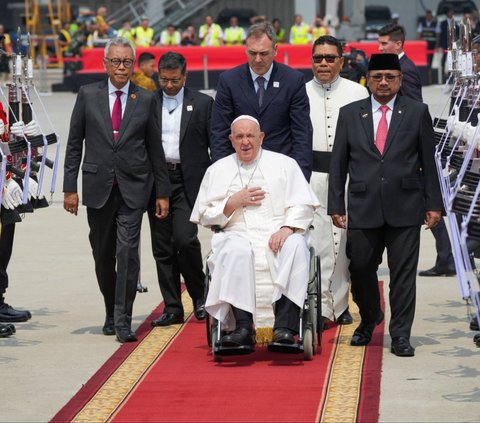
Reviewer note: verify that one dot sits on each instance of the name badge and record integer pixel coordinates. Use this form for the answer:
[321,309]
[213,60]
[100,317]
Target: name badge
[189,108]
[276,84]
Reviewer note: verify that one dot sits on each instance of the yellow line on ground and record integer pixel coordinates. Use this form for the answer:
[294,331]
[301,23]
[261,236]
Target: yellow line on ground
[113,392]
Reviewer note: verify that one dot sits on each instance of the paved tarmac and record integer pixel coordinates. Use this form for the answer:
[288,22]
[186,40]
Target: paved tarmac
[51,356]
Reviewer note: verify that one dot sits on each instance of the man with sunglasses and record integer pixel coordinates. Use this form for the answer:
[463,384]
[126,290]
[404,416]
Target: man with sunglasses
[115,124]
[385,144]
[327,92]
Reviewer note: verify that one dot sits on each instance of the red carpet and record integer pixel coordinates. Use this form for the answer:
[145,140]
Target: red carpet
[182,383]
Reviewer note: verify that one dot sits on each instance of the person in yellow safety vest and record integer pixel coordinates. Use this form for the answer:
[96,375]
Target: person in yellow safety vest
[144,34]
[234,35]
[299,32]
[279,31]
[210,33]
[126,31]
[318,29]
[170,36]
[64,42]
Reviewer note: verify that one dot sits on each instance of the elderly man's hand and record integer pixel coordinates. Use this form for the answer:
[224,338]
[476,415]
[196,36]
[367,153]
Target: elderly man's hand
[248,196]
[339,220]
[277,239]
[70,202]
[432,218]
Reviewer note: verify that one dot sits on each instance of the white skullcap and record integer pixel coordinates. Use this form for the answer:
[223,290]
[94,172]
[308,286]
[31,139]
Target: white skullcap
[246,117]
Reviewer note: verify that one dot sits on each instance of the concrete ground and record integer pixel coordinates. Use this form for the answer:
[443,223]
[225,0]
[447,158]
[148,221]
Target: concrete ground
[51,356]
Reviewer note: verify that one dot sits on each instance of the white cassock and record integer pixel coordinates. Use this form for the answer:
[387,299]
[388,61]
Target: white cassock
[328,240]
[245,272]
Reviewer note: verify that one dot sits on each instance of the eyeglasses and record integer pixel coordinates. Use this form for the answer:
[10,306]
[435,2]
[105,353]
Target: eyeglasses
[329,58]
[388,77]
[127,63]
[165,81]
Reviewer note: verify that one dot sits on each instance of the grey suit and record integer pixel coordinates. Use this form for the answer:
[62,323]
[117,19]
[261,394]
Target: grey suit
[117,181]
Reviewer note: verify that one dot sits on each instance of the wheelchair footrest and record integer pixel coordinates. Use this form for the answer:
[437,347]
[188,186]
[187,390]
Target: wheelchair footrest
[285,348]
[240,350]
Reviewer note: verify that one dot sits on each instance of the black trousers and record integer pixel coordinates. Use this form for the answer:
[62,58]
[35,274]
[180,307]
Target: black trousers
[442,244]
[6,247]
[365,249]
[176,248]
[114,238]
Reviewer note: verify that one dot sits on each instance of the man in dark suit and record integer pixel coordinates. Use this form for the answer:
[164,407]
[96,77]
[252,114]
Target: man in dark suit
[390,40]
[185,135]
[385,144]
[272,93]
[123,157]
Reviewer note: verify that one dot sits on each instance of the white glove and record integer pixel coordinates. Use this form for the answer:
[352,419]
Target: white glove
[2,127]
[17,128]
[12,197]
[457,130]
[32,129]
[452,118]
[32,188]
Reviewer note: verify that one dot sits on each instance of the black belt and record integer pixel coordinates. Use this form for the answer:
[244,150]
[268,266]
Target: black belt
[173,166]
[321,161]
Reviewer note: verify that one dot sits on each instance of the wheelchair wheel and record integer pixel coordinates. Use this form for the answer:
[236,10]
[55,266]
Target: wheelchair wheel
[318,308]
[308,344]
[208,323]
[213,339]
[312,327]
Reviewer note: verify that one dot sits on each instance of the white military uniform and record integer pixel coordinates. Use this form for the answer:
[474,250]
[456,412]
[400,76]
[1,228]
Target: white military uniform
[245,272]
[328,240]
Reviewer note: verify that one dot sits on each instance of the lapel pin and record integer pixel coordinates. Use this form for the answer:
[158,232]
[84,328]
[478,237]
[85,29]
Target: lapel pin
[189,108]
[276,84]
[133,96]
[365,115]
[399,112]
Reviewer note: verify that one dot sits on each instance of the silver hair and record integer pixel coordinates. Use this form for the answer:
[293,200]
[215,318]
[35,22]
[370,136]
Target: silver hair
[118,41]
[259,29]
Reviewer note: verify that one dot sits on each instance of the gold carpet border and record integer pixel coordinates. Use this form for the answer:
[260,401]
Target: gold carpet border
[122,381]
[345,377]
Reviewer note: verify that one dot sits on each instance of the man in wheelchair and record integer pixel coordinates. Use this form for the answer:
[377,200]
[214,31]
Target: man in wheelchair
[263,206]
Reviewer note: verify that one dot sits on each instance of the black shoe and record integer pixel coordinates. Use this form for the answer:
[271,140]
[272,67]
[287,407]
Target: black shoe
[363,333]
[283,336]
[199,309]
[109,326]
[167,319]
[239,337]
[476,339]
[434,271]
[474,323]
[9,314]
[6,330]
[126,335]
[345,318]
[401,347]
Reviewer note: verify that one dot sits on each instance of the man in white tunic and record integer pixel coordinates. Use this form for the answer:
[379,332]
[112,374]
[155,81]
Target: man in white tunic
[327,92]
[264,206]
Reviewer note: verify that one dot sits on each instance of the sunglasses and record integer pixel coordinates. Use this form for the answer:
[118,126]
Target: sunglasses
[329,58]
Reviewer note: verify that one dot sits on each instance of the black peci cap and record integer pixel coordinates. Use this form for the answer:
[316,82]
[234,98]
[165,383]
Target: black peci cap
[385,61]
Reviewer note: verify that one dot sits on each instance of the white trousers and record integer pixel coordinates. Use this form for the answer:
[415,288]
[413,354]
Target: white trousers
[234,282]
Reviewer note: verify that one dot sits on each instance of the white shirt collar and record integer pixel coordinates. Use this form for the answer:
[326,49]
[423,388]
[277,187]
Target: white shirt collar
[376,105]
[112,88]
[327,85]
[266,75]
[178,97]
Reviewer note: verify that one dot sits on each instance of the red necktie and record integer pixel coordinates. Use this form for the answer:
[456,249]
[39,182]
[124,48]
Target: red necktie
[382,129]
[117,114]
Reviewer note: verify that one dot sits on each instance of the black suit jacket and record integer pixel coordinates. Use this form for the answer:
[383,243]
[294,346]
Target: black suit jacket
[194,139]
[135,160]
[411,82]
[396,188]
[284,115]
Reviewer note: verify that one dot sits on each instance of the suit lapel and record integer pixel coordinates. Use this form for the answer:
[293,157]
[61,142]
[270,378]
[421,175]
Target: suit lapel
[132,101]
[103,103]
[187,110]
[248,89]
[366,117]
[273,88]
[397,117]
